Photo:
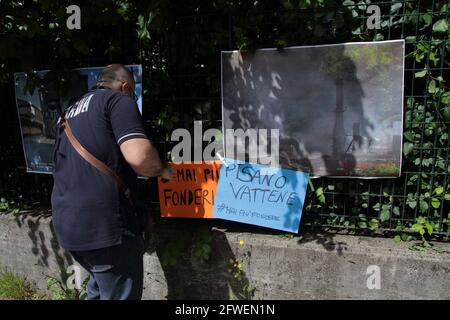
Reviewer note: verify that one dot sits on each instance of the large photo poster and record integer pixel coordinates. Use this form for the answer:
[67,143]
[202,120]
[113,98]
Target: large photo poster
[40,100]
[338,108]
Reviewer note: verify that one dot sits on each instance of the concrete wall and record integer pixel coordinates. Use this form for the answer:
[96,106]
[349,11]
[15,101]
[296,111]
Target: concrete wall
[313,266]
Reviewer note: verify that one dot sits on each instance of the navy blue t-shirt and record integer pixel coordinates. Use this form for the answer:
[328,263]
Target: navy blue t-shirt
[90,211]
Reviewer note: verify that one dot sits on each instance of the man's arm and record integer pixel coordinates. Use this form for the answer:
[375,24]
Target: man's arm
[130,135]
[142,157]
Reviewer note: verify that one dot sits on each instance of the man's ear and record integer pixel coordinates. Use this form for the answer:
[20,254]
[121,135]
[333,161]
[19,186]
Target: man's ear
[124,87]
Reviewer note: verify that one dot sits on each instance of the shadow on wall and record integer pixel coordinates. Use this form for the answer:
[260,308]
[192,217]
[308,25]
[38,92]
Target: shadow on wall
[325,240]
[45,250]
[195,258]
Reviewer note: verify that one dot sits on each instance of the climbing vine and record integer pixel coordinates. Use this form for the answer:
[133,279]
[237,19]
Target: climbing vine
[420,196]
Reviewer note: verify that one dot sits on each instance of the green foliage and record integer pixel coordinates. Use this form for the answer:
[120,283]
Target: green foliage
[55,288]
[286,235]
[425,228]
[179,46]
[320,195]
[143,25]
[11,206]
[17,287]
[166,120]
[172,252]
[202,245]
[441,26]
[424,186]
[403,237]
[59,291]
[403,234]
[381,170]
[34,35]
[236,270]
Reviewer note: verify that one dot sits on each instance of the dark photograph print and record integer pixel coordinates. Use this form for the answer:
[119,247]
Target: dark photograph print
[338,108]
[40,100]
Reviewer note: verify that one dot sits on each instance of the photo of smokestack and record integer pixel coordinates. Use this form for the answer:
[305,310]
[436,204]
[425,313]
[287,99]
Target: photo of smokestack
[339,108]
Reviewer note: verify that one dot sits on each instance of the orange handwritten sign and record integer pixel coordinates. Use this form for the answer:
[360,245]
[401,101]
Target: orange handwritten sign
[191,192]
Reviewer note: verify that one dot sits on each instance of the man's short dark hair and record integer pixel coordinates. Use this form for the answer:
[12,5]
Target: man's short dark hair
[115,72]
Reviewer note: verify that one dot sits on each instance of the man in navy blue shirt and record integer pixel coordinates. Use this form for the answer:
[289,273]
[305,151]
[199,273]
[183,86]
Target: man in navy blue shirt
[92,217]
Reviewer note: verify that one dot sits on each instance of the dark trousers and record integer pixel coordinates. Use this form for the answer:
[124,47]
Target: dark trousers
[116,273]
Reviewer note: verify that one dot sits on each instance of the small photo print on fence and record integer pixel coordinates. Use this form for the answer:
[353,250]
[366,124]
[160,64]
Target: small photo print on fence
[40,99]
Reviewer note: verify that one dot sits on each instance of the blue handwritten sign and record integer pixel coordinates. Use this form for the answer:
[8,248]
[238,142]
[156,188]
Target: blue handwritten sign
[260,195]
